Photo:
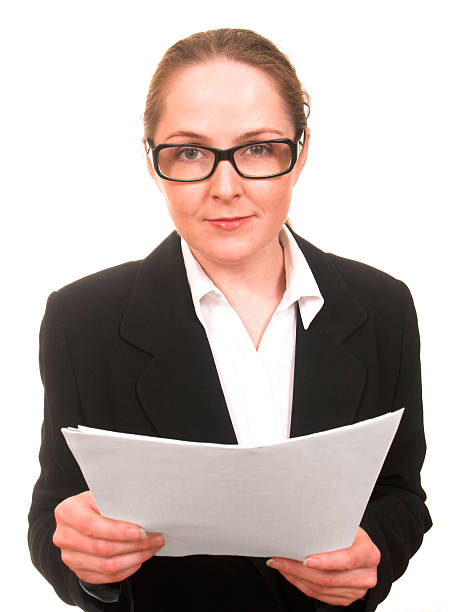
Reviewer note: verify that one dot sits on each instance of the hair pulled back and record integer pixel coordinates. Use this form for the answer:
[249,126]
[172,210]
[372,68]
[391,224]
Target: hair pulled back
[238,45]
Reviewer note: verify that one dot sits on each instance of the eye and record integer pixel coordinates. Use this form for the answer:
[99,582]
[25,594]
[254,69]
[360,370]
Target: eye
[189,153]
[258,150]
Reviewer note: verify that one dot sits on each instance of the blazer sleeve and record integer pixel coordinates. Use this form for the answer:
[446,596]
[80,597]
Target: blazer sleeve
[396,517]
[60,476]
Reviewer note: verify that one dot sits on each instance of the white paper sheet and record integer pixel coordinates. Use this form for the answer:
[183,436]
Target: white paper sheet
[300,496]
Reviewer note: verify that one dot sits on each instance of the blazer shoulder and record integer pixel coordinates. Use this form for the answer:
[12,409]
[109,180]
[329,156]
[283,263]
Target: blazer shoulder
[102,298]
[106,291]
[370,285]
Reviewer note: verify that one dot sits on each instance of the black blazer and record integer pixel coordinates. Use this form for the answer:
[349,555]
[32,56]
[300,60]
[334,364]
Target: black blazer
[123,350]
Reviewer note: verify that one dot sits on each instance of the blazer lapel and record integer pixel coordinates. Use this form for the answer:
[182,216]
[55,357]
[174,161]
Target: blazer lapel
[328,379]
[179,390]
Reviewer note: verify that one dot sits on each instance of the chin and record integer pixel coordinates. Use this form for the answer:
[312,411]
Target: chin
[226,254]
[231,249]
[226,258]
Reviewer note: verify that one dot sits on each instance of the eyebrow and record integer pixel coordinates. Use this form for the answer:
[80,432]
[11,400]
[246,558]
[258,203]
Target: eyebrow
[246,136]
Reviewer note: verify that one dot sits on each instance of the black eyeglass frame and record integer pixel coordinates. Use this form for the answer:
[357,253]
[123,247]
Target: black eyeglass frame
[227,155]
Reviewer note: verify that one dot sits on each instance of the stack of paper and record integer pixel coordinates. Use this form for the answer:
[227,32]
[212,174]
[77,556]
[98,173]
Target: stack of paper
[300,496]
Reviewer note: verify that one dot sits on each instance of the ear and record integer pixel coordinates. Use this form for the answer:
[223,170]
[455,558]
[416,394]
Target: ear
[151,170]
[303,156]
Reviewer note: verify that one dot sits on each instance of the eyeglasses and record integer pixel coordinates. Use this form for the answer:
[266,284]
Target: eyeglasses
[255,160]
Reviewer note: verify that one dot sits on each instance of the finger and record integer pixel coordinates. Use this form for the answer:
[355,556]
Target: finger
[362,553]
[96,578]
[365,578]
[357,579]
[361,578]
[70,539]
[82,516]
[107,568]
[343,560]
[338,560]
[346,559]
[332,595]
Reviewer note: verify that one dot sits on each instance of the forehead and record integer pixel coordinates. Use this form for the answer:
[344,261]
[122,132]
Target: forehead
[220,100]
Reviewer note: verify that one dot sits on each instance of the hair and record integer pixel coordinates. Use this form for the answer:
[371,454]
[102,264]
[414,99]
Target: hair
[244,46]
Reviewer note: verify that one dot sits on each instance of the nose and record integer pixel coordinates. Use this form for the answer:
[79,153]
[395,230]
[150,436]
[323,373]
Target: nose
[225,183]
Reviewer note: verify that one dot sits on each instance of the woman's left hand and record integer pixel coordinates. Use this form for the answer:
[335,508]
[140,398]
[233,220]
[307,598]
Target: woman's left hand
[339,577]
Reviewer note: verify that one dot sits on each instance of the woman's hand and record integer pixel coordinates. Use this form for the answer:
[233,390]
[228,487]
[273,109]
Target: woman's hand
[97,549]
[339,577]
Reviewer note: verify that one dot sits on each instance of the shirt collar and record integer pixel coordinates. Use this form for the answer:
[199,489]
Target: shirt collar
[301,285]
[200,283]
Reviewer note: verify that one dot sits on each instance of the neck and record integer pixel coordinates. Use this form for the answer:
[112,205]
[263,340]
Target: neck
[262,274]
[254,288]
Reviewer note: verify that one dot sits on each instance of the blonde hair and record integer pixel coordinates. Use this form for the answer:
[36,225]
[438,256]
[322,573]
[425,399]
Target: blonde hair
[244,46]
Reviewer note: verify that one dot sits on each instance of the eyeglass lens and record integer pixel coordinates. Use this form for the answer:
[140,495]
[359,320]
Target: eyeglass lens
[256,160]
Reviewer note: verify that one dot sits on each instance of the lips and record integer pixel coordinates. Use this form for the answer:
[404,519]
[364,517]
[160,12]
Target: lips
[230,223]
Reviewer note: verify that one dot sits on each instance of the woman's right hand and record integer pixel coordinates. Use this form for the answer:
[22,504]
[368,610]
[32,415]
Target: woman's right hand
[97,549]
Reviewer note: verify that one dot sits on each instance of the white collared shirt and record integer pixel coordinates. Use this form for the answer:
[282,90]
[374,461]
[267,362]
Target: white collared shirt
[257,384]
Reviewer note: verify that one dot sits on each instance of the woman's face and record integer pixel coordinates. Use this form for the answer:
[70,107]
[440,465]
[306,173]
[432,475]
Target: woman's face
[226,219]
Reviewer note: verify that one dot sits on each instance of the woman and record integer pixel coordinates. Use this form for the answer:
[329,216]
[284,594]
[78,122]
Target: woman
[234,330]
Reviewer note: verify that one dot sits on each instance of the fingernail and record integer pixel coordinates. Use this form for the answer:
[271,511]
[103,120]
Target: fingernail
[269,562]
[158,540]
[311,562]
[136,533]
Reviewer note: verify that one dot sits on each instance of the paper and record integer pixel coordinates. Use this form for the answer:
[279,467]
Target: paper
[301,496]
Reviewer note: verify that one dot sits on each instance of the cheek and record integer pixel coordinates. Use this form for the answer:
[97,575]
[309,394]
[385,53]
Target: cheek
[183,200]
[274,194]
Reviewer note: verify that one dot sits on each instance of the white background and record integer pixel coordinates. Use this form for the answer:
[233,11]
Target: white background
[380,186]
